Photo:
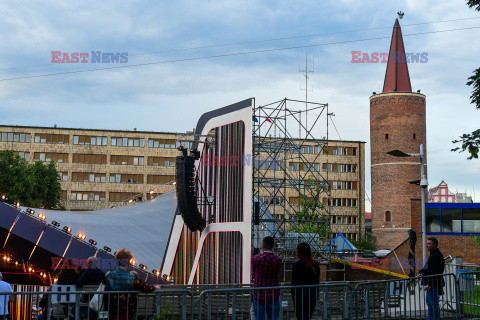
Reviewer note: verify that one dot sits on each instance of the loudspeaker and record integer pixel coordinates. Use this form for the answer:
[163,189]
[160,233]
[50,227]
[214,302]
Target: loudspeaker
[186,196]
[412,236]
[256,213]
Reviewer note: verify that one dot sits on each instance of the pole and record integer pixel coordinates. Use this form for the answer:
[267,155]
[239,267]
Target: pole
[422,191]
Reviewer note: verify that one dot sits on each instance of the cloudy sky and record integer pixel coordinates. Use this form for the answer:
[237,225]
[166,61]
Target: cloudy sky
[168,94]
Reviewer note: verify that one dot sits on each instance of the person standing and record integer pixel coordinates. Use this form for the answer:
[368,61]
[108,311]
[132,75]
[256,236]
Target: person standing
[433,285]
[5,298]
[266,268]
[123,306]
[306,271]
[92,275]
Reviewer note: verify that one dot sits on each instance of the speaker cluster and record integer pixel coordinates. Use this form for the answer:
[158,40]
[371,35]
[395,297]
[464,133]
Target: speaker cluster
[186,195]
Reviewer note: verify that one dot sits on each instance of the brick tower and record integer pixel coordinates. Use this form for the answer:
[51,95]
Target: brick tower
[397,121]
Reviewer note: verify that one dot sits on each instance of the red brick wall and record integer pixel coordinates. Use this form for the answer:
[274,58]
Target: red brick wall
[400,115]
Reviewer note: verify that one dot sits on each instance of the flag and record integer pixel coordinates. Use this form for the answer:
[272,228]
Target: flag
[254,119]
[268,120]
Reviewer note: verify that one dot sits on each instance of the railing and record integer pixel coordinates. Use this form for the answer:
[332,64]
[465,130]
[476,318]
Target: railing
[388,299]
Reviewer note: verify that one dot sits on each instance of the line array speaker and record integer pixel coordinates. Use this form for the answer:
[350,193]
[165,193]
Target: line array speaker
[186,196]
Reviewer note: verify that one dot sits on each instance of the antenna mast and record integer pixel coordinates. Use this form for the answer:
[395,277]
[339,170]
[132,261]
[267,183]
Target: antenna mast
[306,72]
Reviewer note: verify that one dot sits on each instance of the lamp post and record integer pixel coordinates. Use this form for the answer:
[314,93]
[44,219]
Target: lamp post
[423,183]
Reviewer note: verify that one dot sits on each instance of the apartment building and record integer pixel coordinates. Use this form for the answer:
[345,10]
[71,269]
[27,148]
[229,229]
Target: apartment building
[104,168]
[340,163]
[99,168]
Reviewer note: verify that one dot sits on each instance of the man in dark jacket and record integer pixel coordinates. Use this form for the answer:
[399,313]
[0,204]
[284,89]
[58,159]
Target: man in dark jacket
[92,275]
[433,285]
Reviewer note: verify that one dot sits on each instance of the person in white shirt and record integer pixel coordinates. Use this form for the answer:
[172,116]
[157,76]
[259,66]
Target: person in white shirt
[5,287]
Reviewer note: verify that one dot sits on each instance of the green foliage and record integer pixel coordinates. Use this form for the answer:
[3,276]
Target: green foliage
[471,141]
[477,239]
[166,313]
[474,3]
[310,221]
[365,244]
[34,185]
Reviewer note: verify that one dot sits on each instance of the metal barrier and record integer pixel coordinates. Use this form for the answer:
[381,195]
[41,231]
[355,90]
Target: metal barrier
[386,299]
[404,298]
[64,302]
[469,293]
[327,301]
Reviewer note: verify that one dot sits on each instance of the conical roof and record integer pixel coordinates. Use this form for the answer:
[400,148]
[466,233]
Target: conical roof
[397,78]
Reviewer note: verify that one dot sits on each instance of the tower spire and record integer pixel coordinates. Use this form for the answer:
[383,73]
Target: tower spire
[397,78]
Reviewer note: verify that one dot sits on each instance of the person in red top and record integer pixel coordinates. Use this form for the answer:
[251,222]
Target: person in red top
[265,270]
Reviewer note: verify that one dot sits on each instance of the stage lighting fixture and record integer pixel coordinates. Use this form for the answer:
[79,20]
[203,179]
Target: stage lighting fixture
[132,261]
[154,271]
[4,197]
[151,192]
[92,242]
[31,211]
[130,201]
[107,249]
[67,229]
[81,236]
[42,216]
[17,204]
[55,224]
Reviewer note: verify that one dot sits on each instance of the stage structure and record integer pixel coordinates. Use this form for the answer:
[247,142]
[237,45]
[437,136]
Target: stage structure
[294,189]
[240,155]
[210,241]
[248,172]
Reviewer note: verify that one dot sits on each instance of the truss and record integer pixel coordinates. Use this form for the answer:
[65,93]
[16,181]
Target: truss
[290,182]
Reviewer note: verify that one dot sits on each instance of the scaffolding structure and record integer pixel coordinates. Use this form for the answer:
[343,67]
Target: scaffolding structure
[290,188]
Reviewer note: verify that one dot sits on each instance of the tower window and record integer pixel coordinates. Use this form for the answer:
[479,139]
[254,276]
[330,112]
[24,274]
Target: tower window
[414,136]
[386,136]
[388,216]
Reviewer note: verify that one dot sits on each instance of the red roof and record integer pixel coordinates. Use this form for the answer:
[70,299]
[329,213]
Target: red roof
[368,215]
[396,76]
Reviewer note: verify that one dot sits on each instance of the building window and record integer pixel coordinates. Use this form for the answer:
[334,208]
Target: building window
[388,216]
[90,140]
[386,136]
[126,178]
[88,177]
[414,136]
[128,142]
[87,196]
[52,138]
[471,220]
[15,137]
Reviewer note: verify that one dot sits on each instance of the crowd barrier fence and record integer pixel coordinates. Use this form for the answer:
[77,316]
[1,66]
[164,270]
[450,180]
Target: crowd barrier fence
[381,299]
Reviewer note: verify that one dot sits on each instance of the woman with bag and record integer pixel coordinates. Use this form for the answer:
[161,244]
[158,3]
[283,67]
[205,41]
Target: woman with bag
[306,271]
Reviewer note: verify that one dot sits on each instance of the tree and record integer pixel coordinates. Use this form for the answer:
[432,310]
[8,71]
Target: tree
[33,185]
[471,141]
[308,217]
